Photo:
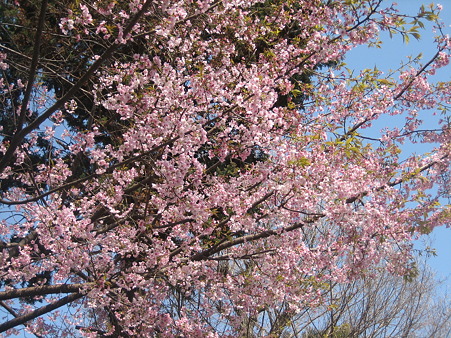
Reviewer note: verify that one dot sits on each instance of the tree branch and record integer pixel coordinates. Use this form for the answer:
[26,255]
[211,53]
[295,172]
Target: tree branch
[39,312]
[34,64]
[15,314]
[396,97]
[249,238]
[42,290]
[394,183]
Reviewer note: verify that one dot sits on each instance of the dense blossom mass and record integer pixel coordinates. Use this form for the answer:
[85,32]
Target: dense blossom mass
[186,168]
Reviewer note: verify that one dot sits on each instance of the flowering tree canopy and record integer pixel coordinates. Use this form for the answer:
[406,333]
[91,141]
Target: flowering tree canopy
[181,168]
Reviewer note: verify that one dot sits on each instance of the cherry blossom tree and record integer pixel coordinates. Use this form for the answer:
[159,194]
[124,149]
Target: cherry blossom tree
[177,168]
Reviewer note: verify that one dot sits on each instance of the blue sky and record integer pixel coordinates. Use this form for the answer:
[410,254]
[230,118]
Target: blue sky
[392,53]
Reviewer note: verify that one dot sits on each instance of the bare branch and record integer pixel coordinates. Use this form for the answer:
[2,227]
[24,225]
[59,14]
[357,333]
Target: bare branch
[34,64]
[42,290]
[39,312]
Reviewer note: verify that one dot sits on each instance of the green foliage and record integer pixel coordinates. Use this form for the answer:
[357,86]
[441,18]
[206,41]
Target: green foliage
[341,331]
[411,28]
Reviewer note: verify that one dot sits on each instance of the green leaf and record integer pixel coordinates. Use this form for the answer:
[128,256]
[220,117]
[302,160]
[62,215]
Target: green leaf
[385,82]
[416,35]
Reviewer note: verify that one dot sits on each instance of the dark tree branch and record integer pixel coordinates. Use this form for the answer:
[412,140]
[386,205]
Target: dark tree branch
[39,312]
[15,314]
[249,238]
[34,65]
[41,290]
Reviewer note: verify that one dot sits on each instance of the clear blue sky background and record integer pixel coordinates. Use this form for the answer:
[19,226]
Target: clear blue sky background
[388,57]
